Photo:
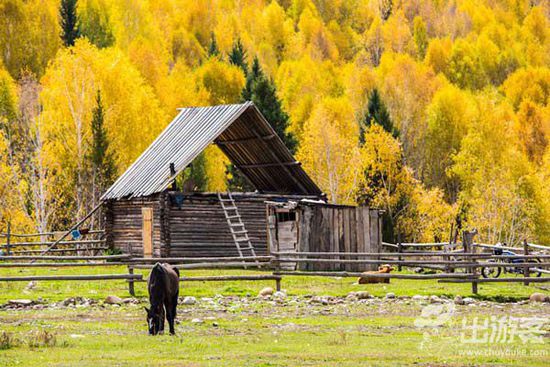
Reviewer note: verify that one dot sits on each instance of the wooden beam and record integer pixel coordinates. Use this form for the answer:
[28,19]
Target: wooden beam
[73,228]
[271,164]
[100,257]
[453,276]
[285,168]
[495,280]
[71,277]
[245,140]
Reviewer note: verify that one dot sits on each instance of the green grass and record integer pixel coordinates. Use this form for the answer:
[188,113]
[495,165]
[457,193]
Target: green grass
[256,333]
[294,285]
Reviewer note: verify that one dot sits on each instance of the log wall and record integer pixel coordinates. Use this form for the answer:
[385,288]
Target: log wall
[123,225]
[198,227]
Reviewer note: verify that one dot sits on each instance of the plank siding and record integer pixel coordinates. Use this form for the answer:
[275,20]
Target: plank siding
[331,228]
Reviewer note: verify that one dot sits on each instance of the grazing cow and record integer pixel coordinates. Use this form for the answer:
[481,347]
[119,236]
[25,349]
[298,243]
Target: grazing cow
[382,269]
[163,286]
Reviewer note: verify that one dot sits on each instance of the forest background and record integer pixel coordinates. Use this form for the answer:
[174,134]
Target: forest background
[435,111]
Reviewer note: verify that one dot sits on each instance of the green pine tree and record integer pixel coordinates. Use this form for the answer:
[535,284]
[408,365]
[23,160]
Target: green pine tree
[237,56]
[213,50]
[262,91]
[377,113]
[103,164]
[69,22]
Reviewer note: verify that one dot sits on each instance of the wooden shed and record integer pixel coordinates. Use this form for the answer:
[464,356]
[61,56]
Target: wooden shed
[145,216]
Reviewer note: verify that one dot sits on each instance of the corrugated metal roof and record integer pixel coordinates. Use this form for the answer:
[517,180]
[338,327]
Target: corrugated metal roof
[242,133]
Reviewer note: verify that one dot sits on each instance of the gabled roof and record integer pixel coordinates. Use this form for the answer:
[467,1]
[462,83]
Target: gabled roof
[242,133]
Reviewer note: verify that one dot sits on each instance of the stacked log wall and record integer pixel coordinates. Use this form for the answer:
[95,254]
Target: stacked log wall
[124,225]
[198,227]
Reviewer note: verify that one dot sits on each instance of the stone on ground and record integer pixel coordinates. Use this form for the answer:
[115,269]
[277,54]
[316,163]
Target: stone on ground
[362,295]
[20,302]
[189,300]
[267,291]
[113,300]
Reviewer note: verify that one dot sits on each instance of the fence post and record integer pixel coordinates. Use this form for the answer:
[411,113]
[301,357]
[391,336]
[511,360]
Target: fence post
[468,244]
[526,270]
[8,234]
[400,258]
[131,289]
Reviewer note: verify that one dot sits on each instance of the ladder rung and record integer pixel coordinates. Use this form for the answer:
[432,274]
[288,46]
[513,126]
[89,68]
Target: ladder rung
[242,239]
[230,208]
[239,232]
[236,225]
[233,216]
[226,200]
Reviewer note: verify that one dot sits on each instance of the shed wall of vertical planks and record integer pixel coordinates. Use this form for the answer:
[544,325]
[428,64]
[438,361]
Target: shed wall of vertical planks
[331,228]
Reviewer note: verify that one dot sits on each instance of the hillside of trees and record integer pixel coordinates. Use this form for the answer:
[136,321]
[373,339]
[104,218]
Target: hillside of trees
[434,110]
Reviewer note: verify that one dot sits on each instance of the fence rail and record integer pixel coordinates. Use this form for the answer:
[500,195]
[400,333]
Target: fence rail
[458,266]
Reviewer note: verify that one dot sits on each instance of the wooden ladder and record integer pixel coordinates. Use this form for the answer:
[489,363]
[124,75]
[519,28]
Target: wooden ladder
[236,226]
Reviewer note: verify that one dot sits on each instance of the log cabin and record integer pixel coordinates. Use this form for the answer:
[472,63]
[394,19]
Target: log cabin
[146,215]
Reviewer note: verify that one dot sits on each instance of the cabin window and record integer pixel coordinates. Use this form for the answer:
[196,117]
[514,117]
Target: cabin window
[286,217]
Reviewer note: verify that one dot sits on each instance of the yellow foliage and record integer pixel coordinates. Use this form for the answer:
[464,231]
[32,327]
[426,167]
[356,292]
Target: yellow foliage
[438,66]
[528,83]
[328,151]
[215,167]
[439,54]
[132,119]
[222,81]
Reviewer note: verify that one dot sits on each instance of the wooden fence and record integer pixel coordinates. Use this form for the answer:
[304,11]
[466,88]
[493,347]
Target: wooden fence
[457,263]
[91,243]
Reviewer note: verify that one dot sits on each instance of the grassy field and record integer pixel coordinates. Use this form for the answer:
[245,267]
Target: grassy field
[234,328]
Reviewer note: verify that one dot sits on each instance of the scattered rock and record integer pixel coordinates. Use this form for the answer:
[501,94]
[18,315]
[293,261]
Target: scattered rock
[419,298]
[197,321]
[215,324]
[469,301]
[317,299]
[435,299]
[113,300]
[130,300]
[267,291]
[390,295]
[279,294]
[418,270]
[539,297]
[31,285]
[189,300]
[20,302]
[362,295]
[458,300]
